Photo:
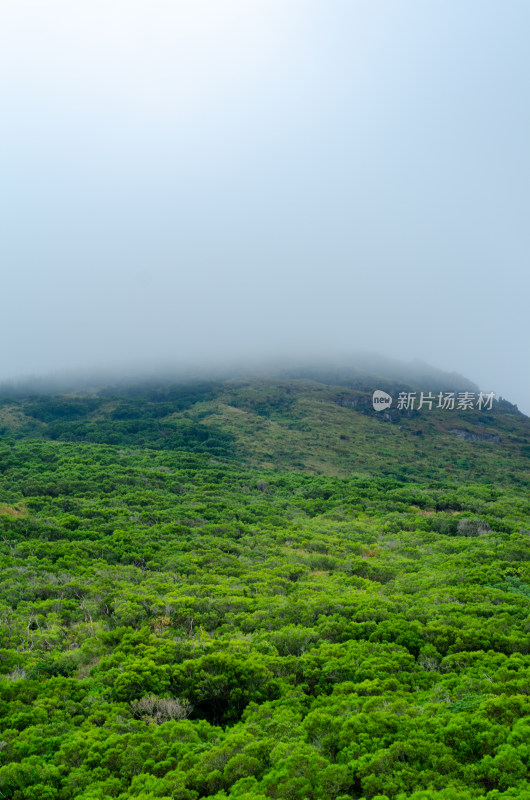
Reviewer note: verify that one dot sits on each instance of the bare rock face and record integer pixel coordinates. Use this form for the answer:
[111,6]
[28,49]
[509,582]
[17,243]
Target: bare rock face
[468,436]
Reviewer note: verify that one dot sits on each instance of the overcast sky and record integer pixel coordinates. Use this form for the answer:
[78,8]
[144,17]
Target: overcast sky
[191,179]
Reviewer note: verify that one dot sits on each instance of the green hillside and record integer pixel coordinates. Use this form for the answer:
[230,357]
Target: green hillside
[258,587]
[308,425]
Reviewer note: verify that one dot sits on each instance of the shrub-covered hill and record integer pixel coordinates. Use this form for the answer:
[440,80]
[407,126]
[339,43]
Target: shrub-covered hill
[179,621]
[319,424]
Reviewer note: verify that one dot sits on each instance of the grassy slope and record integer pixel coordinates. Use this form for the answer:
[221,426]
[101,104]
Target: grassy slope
[301,425]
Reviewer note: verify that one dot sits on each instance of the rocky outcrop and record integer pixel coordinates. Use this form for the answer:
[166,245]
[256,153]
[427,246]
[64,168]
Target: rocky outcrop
[469,436]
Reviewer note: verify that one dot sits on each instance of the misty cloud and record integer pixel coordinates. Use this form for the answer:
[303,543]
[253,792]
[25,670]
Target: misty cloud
[212,182]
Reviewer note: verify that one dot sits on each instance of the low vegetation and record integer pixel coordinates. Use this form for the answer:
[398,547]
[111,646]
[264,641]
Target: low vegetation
[183,616]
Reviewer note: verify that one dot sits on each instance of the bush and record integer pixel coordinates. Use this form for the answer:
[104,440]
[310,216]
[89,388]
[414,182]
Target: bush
[160,709]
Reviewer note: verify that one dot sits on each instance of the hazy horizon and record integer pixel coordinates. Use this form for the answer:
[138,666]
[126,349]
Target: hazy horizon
[223,181]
